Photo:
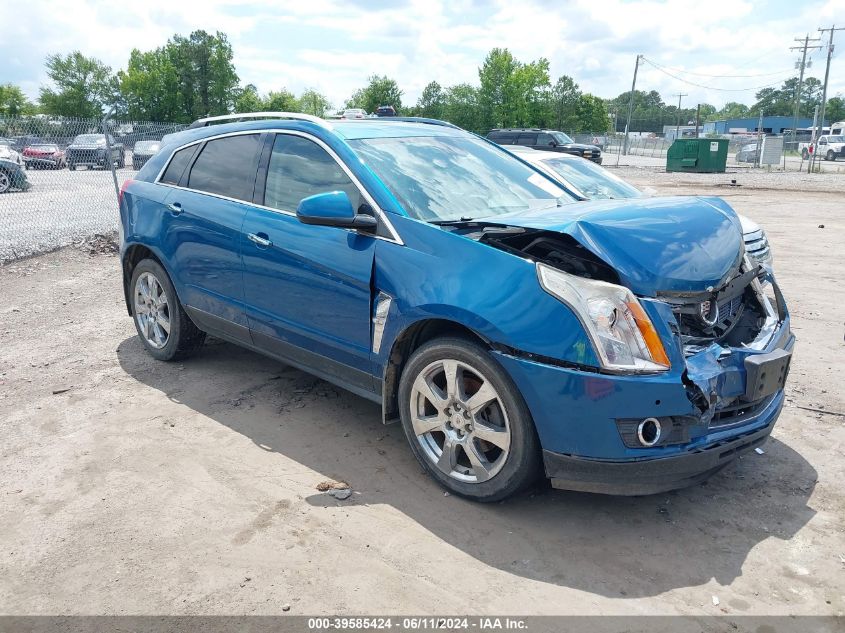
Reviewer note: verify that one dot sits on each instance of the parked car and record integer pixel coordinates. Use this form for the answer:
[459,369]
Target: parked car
[12,176]
[9,153]
[45,155]
[748,154]
[831,147]
[622,346]
[143,151]
[354,113]
[386,110]
[549,140]
[92,150]
[591,182]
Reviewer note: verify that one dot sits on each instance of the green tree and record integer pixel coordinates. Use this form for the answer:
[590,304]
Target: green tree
[591,114]
[13,101]
[530,92]
[564,102]
[380,90]
[462,108]
[781,101]
[733,110]
[835,110]
[83,86]
[432,101]
[314,103]
[248,100]
[150,86]
[206,78]
[495,94]
[282,100]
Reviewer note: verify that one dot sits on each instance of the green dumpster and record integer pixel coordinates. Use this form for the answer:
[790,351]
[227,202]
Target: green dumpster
[700,155]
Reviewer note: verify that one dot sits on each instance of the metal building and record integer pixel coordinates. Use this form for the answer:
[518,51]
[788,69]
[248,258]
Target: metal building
[771,125]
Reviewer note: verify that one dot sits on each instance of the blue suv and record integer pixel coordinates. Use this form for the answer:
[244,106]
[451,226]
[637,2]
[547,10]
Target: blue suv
[618,346]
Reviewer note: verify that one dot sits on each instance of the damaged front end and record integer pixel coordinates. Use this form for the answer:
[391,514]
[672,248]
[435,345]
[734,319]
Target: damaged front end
[737,345]
[655,426]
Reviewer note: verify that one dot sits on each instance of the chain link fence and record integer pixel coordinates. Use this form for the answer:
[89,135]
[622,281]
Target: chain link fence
[57,177]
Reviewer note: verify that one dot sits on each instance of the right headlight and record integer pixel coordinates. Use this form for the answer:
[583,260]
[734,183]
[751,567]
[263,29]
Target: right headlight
[622,333]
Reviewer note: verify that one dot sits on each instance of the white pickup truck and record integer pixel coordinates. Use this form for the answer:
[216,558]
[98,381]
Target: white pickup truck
[830,147]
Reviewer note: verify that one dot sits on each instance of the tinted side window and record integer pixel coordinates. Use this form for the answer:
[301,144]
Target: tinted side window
[180,160]
[527,139]
[544,139]
[300,168]
[227,167]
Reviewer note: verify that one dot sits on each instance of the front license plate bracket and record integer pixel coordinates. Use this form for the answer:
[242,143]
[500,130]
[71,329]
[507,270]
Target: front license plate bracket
[766,373]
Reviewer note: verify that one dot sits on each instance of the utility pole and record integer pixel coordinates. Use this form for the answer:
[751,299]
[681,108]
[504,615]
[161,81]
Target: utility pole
[832,30]
[813,140]
[697,119]
[759,152]
[631,105]
[803,64]
[680,96]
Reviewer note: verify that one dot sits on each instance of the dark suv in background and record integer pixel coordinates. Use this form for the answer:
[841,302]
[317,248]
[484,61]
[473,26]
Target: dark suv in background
[549,140]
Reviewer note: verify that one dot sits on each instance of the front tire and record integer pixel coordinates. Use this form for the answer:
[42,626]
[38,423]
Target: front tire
[164,328]
[467,422]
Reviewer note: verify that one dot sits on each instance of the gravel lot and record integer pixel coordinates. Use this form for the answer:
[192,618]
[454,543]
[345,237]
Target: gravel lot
[130,486]
[61,207]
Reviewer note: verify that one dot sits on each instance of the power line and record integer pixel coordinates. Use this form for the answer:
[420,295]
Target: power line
[690,72]
[692,83]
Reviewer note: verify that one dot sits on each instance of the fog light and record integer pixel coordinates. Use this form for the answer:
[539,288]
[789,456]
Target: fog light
[648,432]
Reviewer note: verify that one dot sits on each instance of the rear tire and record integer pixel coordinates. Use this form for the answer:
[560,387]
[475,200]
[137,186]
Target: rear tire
[467,422]
[831,155]
[5,181]
[71,167]
[165,329]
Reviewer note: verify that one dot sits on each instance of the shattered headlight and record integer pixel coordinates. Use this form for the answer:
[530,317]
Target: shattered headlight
[622,333]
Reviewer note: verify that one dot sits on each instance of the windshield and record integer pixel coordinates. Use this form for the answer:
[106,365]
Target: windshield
[560,137]
[453,178]
[89,139]
[593,181]
[147,146]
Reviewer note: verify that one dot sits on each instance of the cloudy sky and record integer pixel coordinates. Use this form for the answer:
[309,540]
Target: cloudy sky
[729,45]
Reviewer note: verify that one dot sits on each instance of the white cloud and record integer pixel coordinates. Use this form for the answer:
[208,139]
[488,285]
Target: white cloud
[334,45]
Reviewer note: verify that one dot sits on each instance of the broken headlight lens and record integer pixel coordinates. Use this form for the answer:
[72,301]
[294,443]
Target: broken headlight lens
[622,333]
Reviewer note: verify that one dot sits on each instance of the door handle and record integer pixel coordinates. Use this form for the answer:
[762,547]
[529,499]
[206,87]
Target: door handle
[261,239]
[175,208]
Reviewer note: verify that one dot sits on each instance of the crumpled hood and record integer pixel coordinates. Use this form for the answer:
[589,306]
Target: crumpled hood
[674,244]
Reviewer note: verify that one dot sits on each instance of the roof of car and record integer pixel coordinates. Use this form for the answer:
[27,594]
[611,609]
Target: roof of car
[347,129]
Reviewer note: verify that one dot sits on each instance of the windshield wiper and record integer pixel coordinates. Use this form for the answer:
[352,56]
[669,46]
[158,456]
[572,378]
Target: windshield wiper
[462,220]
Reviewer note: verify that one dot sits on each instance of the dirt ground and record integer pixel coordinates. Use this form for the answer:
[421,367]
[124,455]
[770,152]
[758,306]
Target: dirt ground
[129,486]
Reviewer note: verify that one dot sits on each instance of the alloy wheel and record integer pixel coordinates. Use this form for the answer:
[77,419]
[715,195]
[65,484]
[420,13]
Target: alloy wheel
[5,182]
[460,421]
[152,311]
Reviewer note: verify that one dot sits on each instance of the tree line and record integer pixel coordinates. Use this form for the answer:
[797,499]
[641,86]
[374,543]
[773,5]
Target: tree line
[194,76]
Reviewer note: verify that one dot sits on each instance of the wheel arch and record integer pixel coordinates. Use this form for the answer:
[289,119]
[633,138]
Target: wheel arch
[132,256]
[408,340]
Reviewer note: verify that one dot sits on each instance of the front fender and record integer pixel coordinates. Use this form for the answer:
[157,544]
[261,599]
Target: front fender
[442,275]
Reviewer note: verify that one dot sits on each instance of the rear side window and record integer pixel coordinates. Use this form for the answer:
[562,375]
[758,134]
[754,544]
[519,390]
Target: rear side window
[502,138]
[227,167]
[527,139]
[173,174]
[544,139]
[300,168]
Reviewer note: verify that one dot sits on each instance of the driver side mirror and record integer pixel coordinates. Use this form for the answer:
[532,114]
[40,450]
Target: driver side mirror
[333,208]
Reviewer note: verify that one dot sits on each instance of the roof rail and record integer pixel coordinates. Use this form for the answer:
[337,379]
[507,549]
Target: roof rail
[297,116]
[413,119]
